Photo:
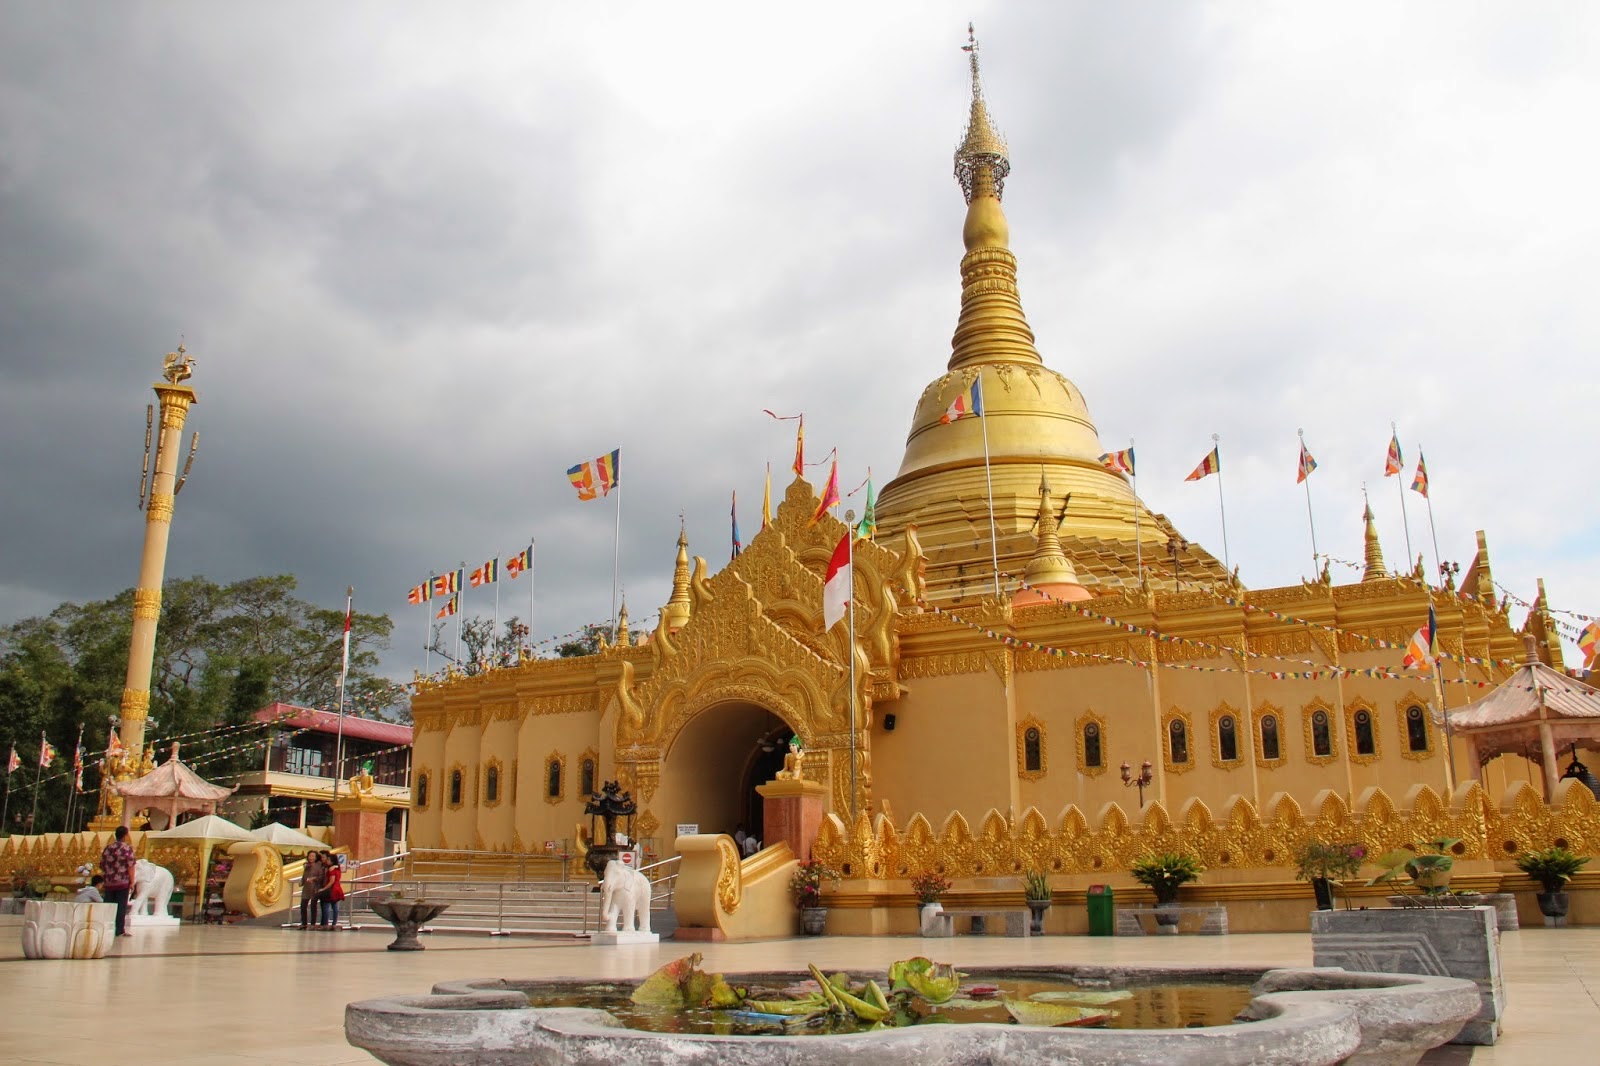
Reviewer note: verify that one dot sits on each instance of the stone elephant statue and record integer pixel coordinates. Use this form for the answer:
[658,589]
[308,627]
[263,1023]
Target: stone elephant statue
[153,887]
[624,895]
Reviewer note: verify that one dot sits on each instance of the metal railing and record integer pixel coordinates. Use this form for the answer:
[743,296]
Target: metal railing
[435,864]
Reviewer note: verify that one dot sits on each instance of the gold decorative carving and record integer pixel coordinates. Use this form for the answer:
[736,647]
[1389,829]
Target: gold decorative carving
[174,406]
[159,507]
[1401,706]
[1307,720]
[646,825]
[730,888]
[947,665]
[499,769]
[1023,728]
[1088,718]
[1351,711]
[1241,736]
[1263,711]
[1172,766]
[268,884]
[146,605]
[559,762]
[135,704]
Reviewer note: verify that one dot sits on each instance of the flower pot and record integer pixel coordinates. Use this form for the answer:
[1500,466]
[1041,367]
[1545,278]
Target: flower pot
[812,920]
[1037,907]
[1553,905]
[1167,916]
[1324,890]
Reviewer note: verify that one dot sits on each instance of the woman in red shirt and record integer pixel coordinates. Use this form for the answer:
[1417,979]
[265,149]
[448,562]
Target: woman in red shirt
[332,891]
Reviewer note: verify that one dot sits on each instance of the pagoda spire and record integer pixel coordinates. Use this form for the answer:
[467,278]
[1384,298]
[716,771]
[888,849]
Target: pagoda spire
[624,638]
[1375,570]
[1049,565]
[991,327]
[676,612]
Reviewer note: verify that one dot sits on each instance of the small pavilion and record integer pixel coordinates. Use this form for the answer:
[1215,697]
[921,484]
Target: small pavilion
[171,789]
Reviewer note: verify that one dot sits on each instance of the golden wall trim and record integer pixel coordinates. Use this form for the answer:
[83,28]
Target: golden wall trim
[1261,712]
[1024,728]
[1172,766]
[1241,736]
[1308,715]
[1086,719]
[1401,706]
[557,761]
[1352,712]
[146,605]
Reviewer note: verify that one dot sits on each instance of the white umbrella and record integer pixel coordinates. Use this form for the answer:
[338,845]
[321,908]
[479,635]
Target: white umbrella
[282,836]
[210,827]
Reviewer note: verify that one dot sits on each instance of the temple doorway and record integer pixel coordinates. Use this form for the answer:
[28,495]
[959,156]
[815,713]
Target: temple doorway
[715,764]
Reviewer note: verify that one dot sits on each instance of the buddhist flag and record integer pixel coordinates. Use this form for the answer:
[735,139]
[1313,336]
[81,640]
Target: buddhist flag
[486,574]
[421,593]
[1589,643]
[519,562]
[1211,464]
[582,478]
[447,584]
[867,528]
[766,500]
[967,402]
[47,754]
[1420,482]
[608,468]
[1393,461]
[14,762]
[114,744]
[1119,462]
[837,587]
[449,608]
[733,516]
[799,440]
[596,478]
[1424,646]
[830,493]
[77,767]
[1307,464]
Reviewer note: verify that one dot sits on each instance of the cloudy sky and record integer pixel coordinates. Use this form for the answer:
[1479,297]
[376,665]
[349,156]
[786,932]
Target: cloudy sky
[428,257]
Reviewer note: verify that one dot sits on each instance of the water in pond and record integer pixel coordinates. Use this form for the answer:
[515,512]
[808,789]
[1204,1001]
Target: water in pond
[1172,1005]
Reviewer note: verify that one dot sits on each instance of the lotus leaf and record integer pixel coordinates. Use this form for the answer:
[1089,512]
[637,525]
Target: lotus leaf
[682,984]
[1027,1012]
[934,982]
[1079,995]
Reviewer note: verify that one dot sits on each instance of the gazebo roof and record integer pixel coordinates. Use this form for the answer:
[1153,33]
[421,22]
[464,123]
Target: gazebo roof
[1520,697]
[172,779]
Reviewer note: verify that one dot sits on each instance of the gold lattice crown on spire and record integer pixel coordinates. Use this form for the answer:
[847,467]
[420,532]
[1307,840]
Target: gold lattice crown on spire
[982,147]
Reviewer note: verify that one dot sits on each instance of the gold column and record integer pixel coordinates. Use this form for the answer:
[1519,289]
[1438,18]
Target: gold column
[175,400]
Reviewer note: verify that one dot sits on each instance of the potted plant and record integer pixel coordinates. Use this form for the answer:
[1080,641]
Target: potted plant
[806,887]
[1552,868]
[930,888]
[1165,873]
[1036,893]
[1429,870]
[1325,865]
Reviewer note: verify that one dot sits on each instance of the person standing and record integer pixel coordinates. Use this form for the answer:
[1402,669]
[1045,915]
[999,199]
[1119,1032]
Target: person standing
[333,891]
[311,883]
[116,867]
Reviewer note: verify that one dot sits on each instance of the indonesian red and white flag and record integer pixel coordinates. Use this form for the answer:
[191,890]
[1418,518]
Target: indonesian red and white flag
[837,586]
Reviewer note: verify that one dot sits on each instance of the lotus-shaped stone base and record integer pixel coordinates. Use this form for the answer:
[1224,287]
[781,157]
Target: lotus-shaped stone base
[407,916]
[66,930]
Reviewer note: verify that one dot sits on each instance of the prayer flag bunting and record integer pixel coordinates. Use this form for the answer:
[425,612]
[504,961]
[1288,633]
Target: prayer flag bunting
[968,401]
[1393,461]
[1307,464]
[1420,482]
[486,574]
[1211,464]
[1119,462]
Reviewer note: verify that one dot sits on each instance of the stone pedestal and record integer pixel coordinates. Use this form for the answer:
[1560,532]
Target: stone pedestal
[611,939]
[1438,941]
[61,930]
[359,823]
[791,811]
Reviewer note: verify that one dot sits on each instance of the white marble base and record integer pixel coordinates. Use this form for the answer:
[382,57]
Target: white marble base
[624,938]
[153,921]
[53,929]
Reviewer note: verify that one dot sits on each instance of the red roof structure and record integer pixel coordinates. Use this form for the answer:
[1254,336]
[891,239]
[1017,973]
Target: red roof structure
[289,716]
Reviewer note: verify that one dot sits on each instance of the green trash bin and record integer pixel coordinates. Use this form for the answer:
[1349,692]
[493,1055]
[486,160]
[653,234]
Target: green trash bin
[1102,911]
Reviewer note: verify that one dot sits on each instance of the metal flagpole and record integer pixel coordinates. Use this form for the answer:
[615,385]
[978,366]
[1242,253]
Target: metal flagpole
[1434,532]
[495,634]
[1227,559]
[1305,479]
[38,776]
[988,480]
[461,605]
[1444,712]
[344,671]
[5,809]
[616,559]
[1400,483]
[1138,548]
[533,558]
[850,555]
[427,629]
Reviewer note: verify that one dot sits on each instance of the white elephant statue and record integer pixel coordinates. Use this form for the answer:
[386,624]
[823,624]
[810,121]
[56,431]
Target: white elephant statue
[624,895]
[153,887]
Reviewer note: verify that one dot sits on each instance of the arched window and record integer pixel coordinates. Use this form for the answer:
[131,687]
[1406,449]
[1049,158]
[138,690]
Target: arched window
[422,790]
[1321,739]
[491,785]
[1227,739]
[455,788]
[586,777]
[1365,744]
[552,789]
[1269,737]
[1091,745]
[1032,750]
[1178,739]
[1416,729]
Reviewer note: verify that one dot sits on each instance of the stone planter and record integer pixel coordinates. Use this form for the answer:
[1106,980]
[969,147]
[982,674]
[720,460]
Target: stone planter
[1553,905]
[1167,917]
[66,930]
[1036,908]
[1437,941]
[813,920]
[407,916]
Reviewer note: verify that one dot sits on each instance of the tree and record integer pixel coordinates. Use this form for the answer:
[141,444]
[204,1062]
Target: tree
[586,644]
[482,647]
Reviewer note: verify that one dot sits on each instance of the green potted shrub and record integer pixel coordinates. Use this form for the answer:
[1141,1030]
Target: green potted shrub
[1552,868]
[1429,870]
[1036,894]
[1165,873]
[1326,865]
[806,887]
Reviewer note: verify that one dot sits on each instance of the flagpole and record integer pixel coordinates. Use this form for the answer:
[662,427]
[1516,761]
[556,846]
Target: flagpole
[38,777]
[616,559]
[5,809]
[1227,559]
[344,670]
[1138,548]
[850,650]
[1444,712]
[461,603]
[988,479]
[1400,484]
[495,633]
[533,559]
[1434,532]
[427,629]
[1310,518]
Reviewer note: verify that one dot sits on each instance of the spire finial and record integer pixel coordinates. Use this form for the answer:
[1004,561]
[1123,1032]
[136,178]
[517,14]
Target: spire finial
[981,159]
[679,606]
[1375,569]
[1049,565]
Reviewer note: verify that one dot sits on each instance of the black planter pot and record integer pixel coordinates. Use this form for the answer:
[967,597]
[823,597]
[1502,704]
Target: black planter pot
[1553,905]
[1037,907]
[1324,890]
[812,920]
[1167,915]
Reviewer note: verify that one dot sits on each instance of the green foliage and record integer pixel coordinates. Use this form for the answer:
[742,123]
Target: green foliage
[1552,867]
[1429,870]
[587,644]
[1036,887]
[1331,861]
[806,884]
[1166,872]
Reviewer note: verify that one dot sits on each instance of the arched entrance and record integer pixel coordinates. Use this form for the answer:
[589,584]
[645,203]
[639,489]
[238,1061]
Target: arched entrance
[714,765]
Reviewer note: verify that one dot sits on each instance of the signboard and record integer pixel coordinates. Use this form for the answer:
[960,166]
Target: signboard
[627,858]
[688,829]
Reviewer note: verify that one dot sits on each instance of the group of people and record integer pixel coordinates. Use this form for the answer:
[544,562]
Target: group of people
[747,843]
[321,890]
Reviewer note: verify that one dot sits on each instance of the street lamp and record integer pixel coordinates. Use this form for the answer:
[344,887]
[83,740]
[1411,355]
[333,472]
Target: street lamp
[1146,774]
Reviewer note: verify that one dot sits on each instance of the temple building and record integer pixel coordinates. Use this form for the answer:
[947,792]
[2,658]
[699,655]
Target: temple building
[1112,640]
